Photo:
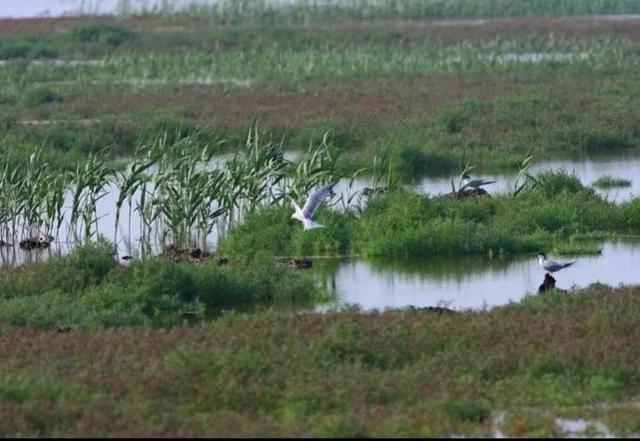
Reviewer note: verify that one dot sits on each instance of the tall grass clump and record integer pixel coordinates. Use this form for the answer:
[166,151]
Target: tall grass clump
[87,266]
[408,224]
[180,192]
[88,288]
[110,35]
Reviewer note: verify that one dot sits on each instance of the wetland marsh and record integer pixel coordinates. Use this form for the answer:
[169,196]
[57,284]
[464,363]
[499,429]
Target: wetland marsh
[149,158]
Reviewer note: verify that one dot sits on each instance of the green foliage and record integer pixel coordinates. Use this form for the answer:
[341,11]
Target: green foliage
[456,117]
[465,411]
[164,287]
[405,223]
[26,46]
[599,143]
[42,95]
[607,181]
[416,163]
[88,289]
[335,239]
[101,33]
[606,385]
[631,214]
[268,229]
[89,265]
[552,183]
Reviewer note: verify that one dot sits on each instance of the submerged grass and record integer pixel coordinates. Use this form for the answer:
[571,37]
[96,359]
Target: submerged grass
[405,372]
[607,181]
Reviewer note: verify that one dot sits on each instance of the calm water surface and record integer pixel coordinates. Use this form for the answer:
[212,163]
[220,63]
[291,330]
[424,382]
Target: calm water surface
[587,170]
[466,282]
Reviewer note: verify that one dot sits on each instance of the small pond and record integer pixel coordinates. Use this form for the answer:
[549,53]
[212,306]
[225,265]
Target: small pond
[470,282]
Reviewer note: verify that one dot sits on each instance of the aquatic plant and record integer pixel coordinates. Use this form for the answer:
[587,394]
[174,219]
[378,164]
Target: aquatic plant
[607,181]
[524,180]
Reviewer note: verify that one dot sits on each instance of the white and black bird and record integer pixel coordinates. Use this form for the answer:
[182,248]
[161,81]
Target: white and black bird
[305,213]
[467,182]
[550,265]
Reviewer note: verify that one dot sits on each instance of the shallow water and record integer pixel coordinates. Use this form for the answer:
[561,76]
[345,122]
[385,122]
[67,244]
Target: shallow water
[573,428]
[466,282]
[587,170]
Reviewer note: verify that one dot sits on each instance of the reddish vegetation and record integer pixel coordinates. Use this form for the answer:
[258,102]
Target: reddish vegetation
[362,102]
[300,374]
[448,30]
[521,27]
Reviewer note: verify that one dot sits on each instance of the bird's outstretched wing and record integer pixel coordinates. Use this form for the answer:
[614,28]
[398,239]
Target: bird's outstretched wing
[476,183]
[315,199]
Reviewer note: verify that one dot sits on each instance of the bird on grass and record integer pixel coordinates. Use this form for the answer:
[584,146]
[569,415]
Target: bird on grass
[467,182]
[550,265]
[305,213]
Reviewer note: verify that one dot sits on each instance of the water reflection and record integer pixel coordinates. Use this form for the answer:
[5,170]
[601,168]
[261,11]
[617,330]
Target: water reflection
[466,282]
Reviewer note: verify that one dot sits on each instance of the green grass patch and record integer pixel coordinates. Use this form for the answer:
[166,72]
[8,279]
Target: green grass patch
[607,181]
[559,213]
[89,289]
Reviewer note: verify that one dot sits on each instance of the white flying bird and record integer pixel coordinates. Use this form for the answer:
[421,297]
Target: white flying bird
[475,183]
[305,214]
[550,265]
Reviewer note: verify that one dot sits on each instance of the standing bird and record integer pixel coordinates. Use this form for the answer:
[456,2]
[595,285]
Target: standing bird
[550,265]
[475,183]
[305,214]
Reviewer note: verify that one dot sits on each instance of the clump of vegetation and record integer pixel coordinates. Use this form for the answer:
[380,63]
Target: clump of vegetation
[173,186]
[607,181]
[28,47]
[42,95]
[89,289]
[101,33]
[406,223]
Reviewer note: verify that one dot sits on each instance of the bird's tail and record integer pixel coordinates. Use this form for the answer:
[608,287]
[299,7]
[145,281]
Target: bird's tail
[568,264]
[311,225]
